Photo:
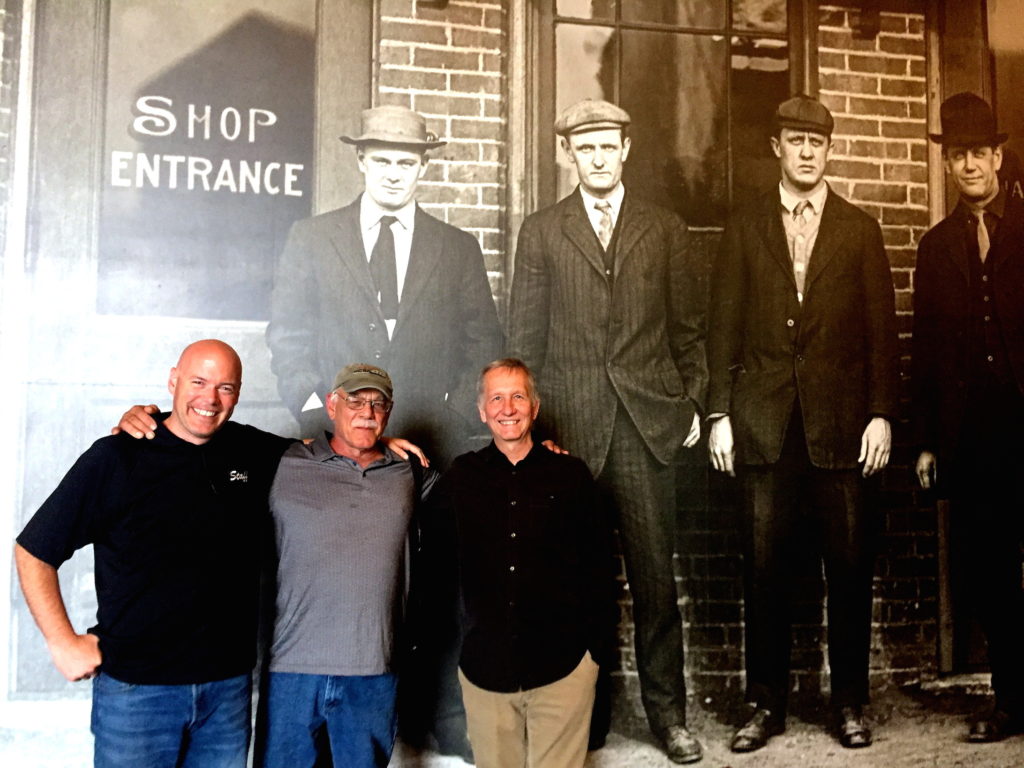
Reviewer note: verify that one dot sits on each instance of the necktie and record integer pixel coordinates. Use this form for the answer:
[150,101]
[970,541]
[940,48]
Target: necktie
[983,240]
[604,226]
[382,268]
[800,255]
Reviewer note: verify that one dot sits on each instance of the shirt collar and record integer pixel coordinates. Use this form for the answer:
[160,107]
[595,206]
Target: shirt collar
[996,206]
[321,450]
[615,198]
[817,200]
[494,456]
[370,213]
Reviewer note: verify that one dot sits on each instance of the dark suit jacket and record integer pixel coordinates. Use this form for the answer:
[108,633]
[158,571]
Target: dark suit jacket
[325,315]
[837,354]
[594,340]
[941,364]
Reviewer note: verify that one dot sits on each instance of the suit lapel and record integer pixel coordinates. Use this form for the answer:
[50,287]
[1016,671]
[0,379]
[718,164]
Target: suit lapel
[830,235]
[348,242]
[424,258]
[633,224]
[1010,233]
[774,236]
[576,228]
[957,249]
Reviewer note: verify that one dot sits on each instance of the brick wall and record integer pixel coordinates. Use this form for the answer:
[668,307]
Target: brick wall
[449,65]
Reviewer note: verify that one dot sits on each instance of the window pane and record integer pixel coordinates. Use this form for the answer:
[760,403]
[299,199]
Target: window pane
[674,88]
[682,13]
[761,15]
[760,81]
[585,68]
[586,9]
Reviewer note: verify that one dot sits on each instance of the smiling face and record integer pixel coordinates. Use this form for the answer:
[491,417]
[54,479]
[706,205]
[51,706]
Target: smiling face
[391,173]
[598,156]
[975,171]
[803,156]
[205,385]
[508,406]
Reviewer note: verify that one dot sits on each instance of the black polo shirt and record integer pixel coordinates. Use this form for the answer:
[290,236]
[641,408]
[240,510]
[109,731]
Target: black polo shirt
[535,570]
[177,530]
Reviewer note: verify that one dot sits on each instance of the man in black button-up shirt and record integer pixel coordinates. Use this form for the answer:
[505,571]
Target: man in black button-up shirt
[529,537]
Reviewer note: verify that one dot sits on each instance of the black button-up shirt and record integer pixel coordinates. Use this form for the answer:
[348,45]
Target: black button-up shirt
[533,548]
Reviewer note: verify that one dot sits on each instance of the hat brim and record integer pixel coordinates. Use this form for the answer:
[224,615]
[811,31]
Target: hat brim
[968,140]
[600,125]
[804,125]
[391,138]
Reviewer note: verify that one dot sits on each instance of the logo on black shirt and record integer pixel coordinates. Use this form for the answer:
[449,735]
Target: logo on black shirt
[241,477]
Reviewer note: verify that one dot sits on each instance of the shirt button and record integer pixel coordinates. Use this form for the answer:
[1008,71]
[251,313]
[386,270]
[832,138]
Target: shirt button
[377,354]
[984,278]
[513,503]
[986,298]
[990,358]
[512,535]
[988,318]
[373,326]
[790,322]
[608,273]
[799,358]
[511,569]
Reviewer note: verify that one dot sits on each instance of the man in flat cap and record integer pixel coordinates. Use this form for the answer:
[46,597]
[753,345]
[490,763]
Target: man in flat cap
[802,356]
[968,380]
[381,280]
[607,308]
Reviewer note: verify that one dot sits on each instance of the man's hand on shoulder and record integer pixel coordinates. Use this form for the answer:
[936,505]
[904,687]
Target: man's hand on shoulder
[554,447]
[78,657]
[402,448]
[138,422]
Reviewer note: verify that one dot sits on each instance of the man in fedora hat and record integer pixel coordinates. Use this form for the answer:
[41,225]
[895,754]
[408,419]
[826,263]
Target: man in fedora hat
[381,280]
[803,365]
[968,380]
[607,307]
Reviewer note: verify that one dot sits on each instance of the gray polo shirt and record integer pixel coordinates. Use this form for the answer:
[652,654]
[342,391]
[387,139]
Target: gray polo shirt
[341,541]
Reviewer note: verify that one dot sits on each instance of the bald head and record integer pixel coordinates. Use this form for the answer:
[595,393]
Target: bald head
[205,385]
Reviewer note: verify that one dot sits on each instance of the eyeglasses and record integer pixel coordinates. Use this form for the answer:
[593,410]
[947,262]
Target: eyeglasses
[358,403]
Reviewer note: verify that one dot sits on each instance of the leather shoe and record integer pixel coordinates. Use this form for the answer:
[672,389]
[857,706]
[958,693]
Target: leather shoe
[755,733]
[995,726]
[853,733]
[681,746]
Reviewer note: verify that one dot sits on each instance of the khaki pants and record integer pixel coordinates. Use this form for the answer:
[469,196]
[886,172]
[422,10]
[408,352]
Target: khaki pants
[545,727]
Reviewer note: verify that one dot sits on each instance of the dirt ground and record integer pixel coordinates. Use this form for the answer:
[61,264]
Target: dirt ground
[912,730]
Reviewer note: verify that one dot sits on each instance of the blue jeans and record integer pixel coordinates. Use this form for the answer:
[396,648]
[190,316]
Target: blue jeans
[206,725]
[306,715]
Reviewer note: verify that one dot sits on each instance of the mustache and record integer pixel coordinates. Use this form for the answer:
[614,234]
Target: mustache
[367,423]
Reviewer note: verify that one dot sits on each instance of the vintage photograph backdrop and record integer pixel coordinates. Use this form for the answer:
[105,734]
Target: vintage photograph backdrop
[155,153]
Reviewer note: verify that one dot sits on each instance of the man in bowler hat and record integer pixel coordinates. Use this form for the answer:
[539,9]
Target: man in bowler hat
[968,378]
[381,280]
[802,357]
[607,308]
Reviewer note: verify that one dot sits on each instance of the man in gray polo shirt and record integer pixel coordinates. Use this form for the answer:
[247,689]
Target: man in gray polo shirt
[342,506]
